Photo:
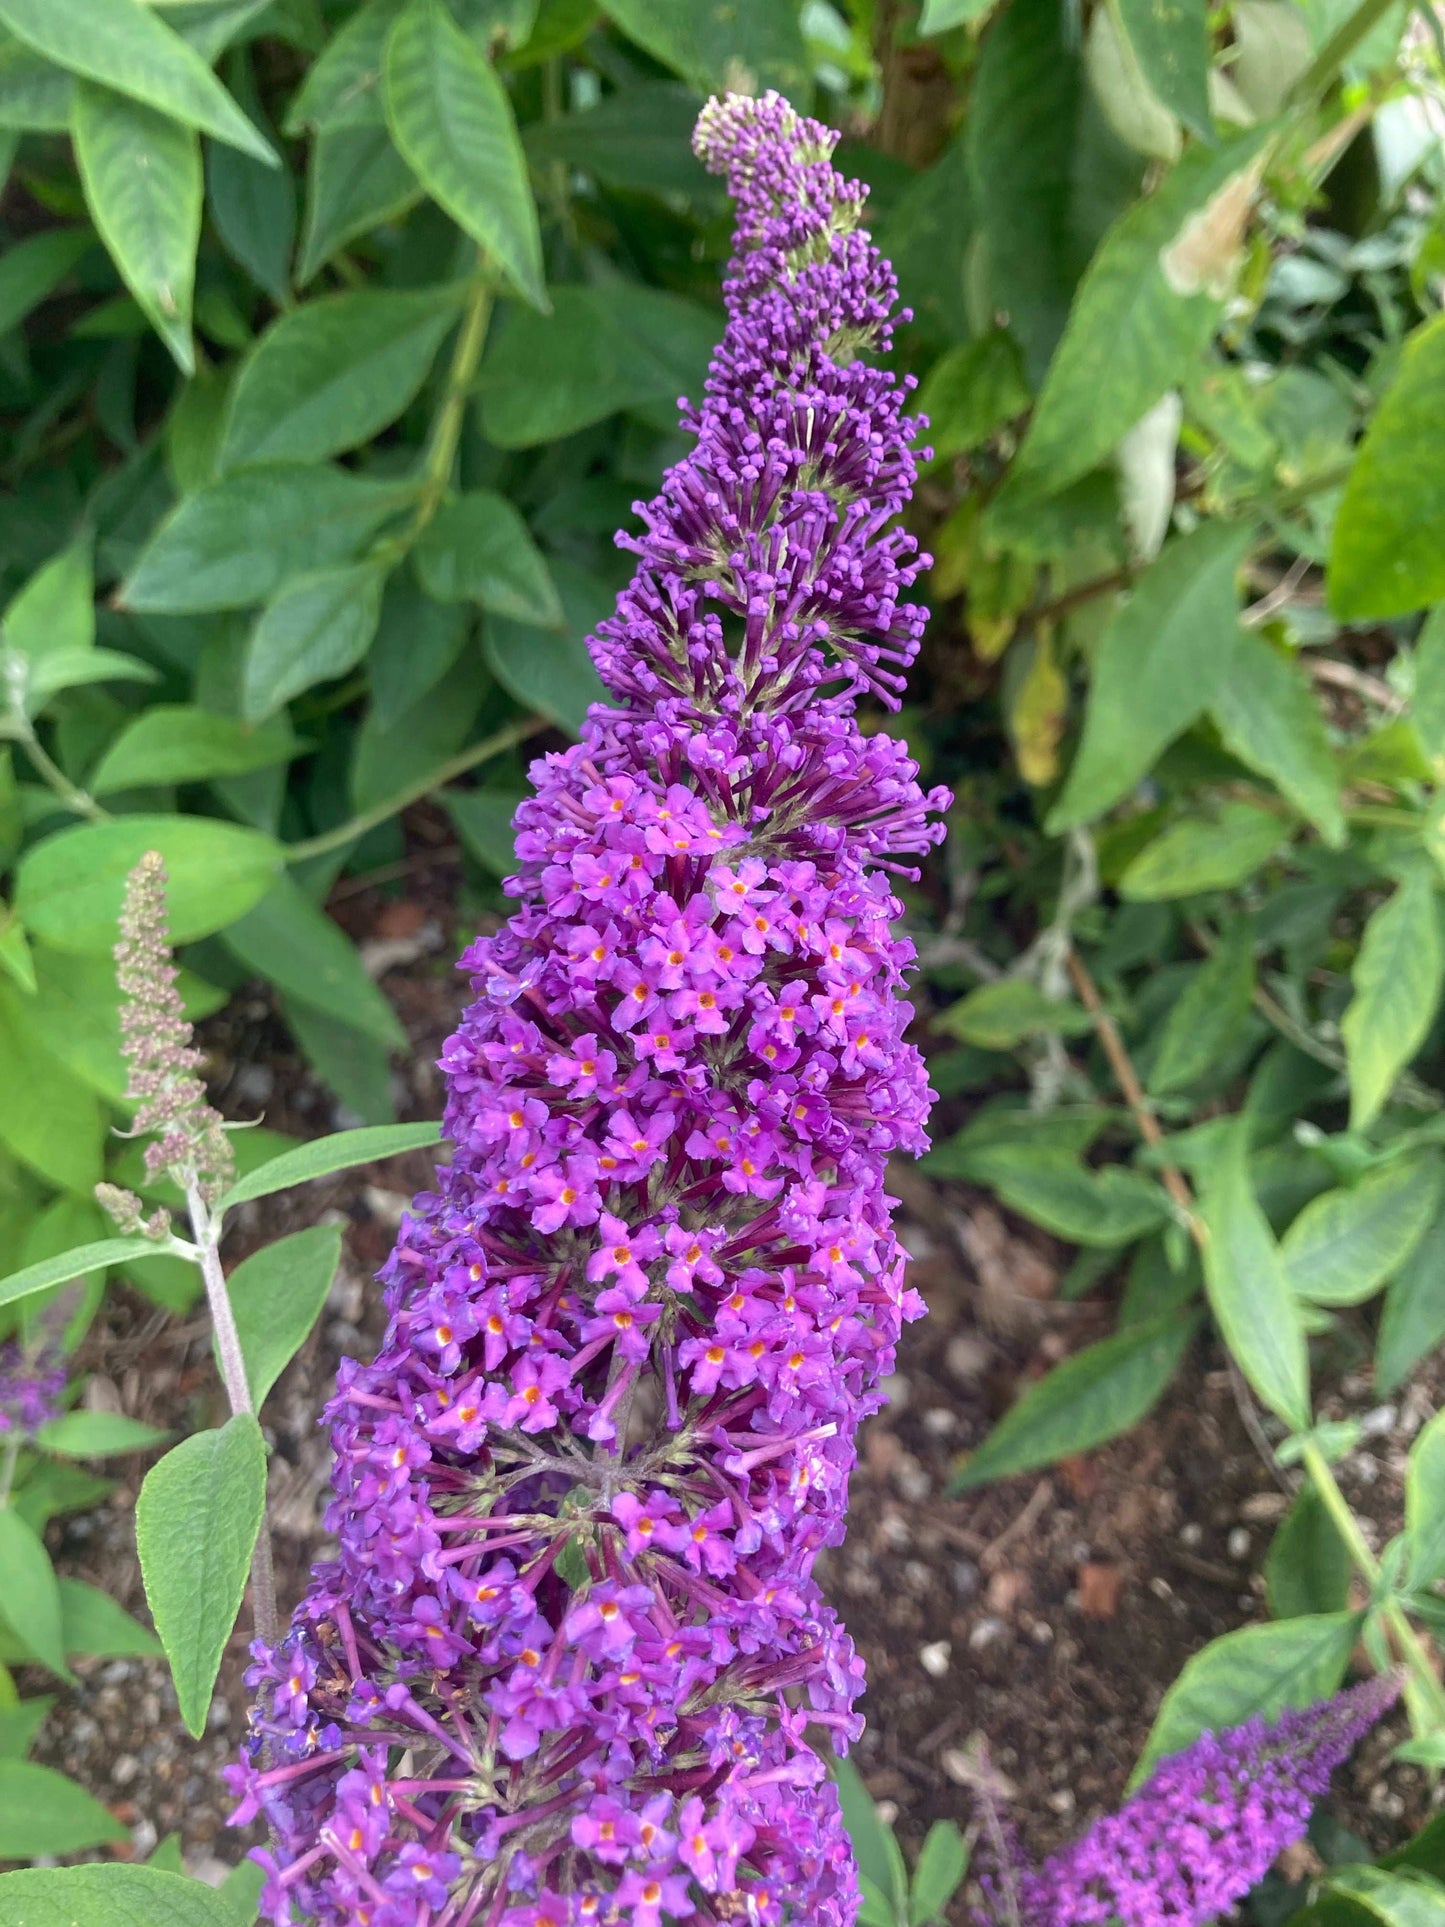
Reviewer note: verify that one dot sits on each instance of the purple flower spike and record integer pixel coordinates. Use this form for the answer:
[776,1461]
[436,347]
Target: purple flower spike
[1206,1828]
[32,1388]
[570,1665]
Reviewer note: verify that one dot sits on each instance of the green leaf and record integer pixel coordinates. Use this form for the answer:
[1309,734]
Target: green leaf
[54,613]
[1346,1243]
[196,1521]
[20,1722]
[78,1263]
[1413,1321]
[638,138]
[1207,1017]
[127,46]
[1425,1505]
[75,1014]
[1164,657]
[942,1863]
[1146,308]
[93,1625]
[1269,719]
[340,1152]
[32,270]
[342,87]
[47,1117]
[111,1896]
[1376,1897]
[416,750]
[286,940]
[719,44]
[76,667]
[254,211]
[601,350]
[277,1295]
[1170,41]
[971,392]
[234,544]
[450,117]
[315,628]
[356,181]
[41,1812]
[1427,711]
[69,888]
[1111,1206]
[477,548]
[1093,1396]
[1047,172]
[940,15]
[484,822]
[1204,853]
[1308,1567]
[175,743]
[97,1435]
[142,177]
[34,93]
[1398,973]
[1249,1288]
[544,670]
[999,1016]
[1388,552]
[874,1846]
[31,1600]
[417,642]
[354,1067]
[333,373]
[1258,1669]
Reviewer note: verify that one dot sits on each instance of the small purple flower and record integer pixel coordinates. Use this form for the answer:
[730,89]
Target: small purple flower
[570,1658]
[32,1388]
[1204,1829]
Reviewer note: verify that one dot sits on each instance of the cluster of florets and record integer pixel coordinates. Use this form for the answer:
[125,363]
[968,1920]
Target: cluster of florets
[570,1664]
[32,1389]
[1203,1831]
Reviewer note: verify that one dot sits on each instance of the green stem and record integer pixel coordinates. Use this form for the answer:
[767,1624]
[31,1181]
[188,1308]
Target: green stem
[75,799]
[1412,1647]
[1323,69]
[446,433]
[436,779]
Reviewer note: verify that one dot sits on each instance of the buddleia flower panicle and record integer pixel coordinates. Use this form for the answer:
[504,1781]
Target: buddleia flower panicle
[32,1388]
[190,1143]
[570,1664]
[1205,1828]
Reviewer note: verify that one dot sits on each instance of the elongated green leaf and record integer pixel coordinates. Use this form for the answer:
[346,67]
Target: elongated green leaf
[76,667]
[971,392]
[1145,311]
[33,269]
[1397,976]
[1345,1244]
[254,210]
[353,1066]
[1249,1288]
[277,1295]
[870,1836]
[639,138]
[1208,1016]
[342,87]
[20,1722]
[1308,1568]
[1093,1396]
[196,1522]
[111,1896]
[1388,553]
[339,1152]
[35,94]
[48,1118]
[68,889]
[315,628]
[1110,1206]
[233,545]
[334,373]
[1047,172]
[417,641]
[287,941]
[416,750]
[450,117]
[356,181]
[41,1812]
[999,1016]
[1170,41]
[477,548]
[142,176]
[1269,719]
[78,1263]
[97,1435]
[939,15]
[1259,1669]
[484,822]
[942,1863]
[54,613]
[601,350]
[1425,1505]
[92,1624]
[546,670]
[1427,711]
[175,743]
[717,44]
[1204,853]
[127,46]
[1165,656]
[1377,1897]
[1413,1322]
[31,1599]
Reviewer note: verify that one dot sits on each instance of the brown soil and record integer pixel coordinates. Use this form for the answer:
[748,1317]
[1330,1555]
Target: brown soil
[1045,1616]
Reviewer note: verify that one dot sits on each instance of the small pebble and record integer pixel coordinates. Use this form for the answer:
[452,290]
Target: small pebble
[913,1482]
[935,1658]
[985,1633]
[1192,1534]
[1380,1422]
[1062,1802]
[124,1768]
[938,1421]
[1239,1543]
[918,1576]
[967,1357]
[964,1574]
[895,1388]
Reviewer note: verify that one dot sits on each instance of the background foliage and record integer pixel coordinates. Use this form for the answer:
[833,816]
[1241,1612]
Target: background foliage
[337,339]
